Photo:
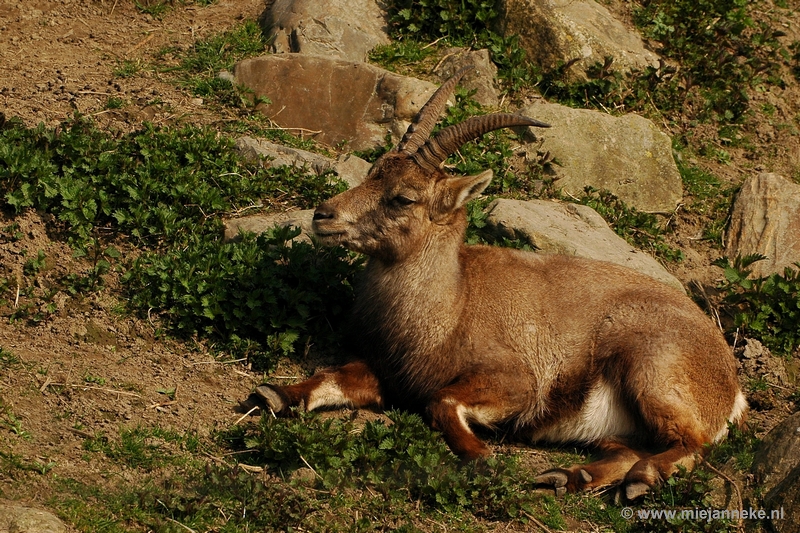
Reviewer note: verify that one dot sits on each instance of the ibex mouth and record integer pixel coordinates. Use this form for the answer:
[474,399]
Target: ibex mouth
[329,237]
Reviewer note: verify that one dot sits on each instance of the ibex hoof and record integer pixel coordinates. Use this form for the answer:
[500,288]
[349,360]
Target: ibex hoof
[271,398]
[555,478]
[636,489]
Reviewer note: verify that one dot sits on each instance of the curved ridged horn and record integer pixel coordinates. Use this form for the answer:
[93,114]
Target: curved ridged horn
[419,130]
[433,153]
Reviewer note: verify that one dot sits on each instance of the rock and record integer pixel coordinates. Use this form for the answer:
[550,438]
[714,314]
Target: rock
[778,453]
[335,101]
[278,155]
[554,32]
[784,500]
[343,29]
[776,468]
[16,518]
[260,223]
[480,79]
[766,220]
[570,229]
[305,477]
[758,361]
[625,155]
[349,168]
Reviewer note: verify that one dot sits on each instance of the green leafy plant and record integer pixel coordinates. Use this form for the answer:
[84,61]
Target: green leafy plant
[114,102]
[708,85]
[401,460]
[156,184]
[686,490]
[143,447]
[199,70]
[463,23]
[8,360]
[11,421]
[638,228]
[155,8]
[768,307]
[263,288]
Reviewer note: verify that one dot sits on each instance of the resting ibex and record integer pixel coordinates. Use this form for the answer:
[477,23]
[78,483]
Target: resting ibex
[557,348]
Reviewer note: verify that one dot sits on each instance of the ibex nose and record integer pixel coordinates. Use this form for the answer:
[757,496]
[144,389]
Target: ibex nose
[323,212]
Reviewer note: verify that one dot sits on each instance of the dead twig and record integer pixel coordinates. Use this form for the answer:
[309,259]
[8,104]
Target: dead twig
[187,528]
[309,466]
[538,522]
[141,43]
[245,415]
[740,523]
[89,387]
[81,433]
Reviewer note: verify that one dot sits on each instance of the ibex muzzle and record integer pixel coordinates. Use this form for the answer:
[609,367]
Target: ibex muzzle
[557,348]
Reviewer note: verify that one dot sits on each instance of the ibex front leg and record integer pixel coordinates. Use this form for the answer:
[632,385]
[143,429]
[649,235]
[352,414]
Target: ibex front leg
[478,398]
[351,385]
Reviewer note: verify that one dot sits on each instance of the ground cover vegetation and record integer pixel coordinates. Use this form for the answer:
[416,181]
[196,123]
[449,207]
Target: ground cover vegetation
[145,209]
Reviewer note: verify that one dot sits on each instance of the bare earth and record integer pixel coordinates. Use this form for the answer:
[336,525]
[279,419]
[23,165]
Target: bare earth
[57,58]
[91,370]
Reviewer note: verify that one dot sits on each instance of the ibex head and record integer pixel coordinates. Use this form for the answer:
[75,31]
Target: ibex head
[407,198]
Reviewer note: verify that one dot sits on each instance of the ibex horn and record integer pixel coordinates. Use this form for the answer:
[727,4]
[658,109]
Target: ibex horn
[419,130]
[433,153]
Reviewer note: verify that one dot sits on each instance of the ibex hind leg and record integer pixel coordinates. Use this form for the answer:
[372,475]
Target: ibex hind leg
[351,385]
[616,461]
[685,443]
[480,398]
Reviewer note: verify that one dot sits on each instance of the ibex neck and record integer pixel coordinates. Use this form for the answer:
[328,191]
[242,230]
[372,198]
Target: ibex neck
[417,292]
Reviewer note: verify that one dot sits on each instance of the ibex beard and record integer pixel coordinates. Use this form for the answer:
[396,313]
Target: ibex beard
[558,348]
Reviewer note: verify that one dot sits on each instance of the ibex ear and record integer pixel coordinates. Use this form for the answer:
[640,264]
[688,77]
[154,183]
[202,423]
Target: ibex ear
[459,190]
[468,187]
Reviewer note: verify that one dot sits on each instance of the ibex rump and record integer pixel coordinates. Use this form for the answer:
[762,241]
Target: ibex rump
[560,349]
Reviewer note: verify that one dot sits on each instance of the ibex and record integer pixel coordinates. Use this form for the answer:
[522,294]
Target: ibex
[556,348]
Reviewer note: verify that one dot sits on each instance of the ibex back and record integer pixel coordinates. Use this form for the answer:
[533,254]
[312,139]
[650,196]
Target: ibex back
[557,348]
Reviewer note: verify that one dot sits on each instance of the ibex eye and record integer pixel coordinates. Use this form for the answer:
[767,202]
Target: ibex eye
[401,200]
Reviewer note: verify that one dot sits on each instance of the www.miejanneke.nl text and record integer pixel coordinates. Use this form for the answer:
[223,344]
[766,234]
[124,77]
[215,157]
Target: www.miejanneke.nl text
[699,514]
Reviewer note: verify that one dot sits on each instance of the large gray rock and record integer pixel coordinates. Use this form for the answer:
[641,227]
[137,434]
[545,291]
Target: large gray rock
[766,220]
[555,32]
[260,223]
[17,518]
[479,79]
[349,168]
[344,29]
[784,500]
[628,155]
[571,229]
[778,453]
[335,101]
[776,467]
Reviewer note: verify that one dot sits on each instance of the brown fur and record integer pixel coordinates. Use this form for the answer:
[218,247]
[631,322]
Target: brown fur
[558,347]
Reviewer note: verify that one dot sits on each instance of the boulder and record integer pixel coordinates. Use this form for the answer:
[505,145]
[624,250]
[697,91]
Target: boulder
[628,155]
[572,229]
[766,220]
[480,79]
[776,468]
[349,168]
[554,32]
[17,518]
[343,29]
[334,101]
[778,454]
[260,223]
[784,501]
